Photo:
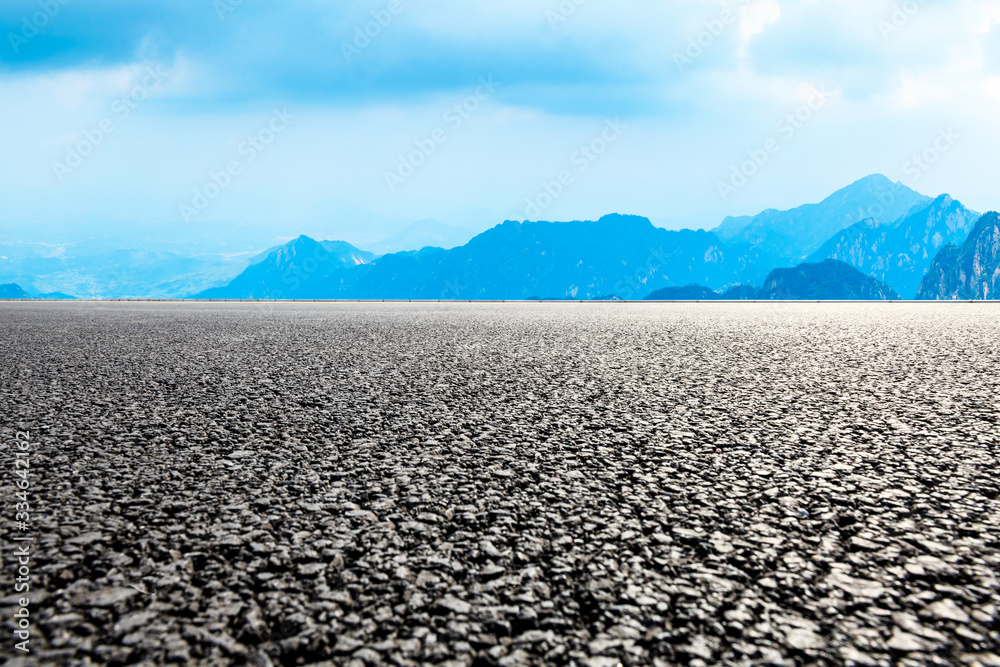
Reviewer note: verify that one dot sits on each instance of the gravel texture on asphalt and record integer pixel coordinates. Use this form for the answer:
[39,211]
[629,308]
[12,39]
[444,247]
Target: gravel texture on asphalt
[518,484]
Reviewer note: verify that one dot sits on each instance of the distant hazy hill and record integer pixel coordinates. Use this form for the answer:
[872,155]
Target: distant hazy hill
[900,253]
[300,269]
[826,280]
[829,280]
[686,293]
[971,271]
[703,293]
[55,296]
[797,233]
[12,291]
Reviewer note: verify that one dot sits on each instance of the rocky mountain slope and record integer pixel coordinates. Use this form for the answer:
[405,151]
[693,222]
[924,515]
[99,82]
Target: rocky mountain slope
[969,271]
[899,254]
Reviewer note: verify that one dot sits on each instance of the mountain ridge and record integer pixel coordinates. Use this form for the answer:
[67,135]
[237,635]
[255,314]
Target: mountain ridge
[798,232]
[617,254]
[427,233]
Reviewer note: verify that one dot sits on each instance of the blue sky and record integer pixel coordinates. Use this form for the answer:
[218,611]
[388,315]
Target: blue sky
[287,117]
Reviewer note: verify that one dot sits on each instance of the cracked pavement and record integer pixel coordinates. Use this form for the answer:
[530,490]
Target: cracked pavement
[508,484]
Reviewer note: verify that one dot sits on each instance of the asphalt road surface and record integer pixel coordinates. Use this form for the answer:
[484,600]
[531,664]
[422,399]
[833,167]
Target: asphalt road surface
[503,484]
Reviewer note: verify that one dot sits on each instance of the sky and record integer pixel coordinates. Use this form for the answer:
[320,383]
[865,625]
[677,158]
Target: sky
[350,120]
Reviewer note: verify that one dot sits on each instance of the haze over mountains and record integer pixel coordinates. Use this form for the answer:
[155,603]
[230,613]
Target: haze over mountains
[88,272]
[163,261]
[886,231]
[421,234]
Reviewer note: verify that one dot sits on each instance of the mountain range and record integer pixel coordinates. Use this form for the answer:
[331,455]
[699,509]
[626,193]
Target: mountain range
[619,255]
[900,253]
[884,230]
[627,257]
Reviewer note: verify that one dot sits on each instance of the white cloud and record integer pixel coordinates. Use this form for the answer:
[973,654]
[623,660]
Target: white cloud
[755,18]
[687,127]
